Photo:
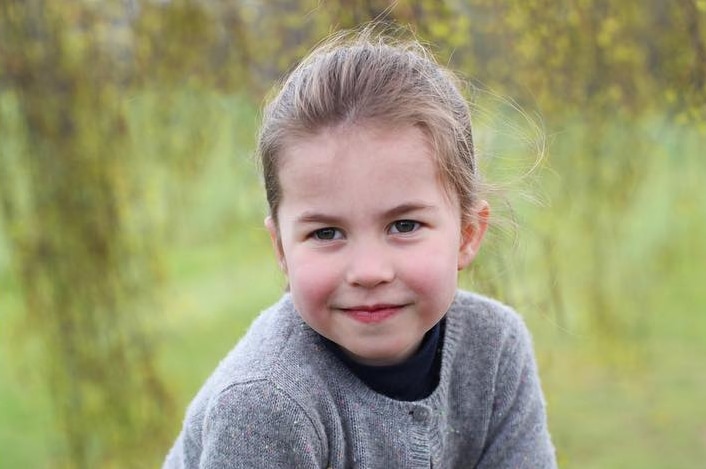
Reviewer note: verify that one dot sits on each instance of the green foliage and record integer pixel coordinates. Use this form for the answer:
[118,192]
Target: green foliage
[79,231]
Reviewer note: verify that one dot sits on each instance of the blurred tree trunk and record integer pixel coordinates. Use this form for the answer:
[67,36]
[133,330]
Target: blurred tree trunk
[76,222]
[691,16]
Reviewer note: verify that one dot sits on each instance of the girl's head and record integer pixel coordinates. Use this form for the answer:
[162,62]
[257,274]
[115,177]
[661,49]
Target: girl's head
[363,78]
[372,186]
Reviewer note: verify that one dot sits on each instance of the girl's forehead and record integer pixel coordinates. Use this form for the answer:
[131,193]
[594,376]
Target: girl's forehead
[360,133]
[346,143]
[414,136]
[361,156]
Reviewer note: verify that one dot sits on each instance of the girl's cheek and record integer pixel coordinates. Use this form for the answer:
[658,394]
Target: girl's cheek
[313,281]
[430,274]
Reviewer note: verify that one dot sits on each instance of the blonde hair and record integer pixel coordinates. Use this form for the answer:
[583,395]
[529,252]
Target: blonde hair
[363,77]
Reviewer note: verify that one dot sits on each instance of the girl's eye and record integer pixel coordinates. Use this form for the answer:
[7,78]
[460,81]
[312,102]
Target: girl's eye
[326,234]
[404,226]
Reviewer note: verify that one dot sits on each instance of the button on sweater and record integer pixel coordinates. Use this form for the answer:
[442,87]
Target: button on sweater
[281,399]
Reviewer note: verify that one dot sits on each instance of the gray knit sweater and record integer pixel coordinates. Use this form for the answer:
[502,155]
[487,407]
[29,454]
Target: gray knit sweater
[280,399]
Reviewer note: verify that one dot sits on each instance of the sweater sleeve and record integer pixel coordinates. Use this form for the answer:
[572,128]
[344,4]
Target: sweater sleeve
[518,437]
[257,425]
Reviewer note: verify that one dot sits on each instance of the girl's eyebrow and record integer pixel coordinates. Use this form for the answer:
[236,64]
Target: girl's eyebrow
[397,211]
[316,217]
[406,208]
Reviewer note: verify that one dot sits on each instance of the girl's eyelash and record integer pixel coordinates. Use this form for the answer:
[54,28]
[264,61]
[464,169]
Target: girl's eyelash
[405,226]
[326,234]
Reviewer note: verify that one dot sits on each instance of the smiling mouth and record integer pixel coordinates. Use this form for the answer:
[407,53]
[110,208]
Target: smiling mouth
[372,314]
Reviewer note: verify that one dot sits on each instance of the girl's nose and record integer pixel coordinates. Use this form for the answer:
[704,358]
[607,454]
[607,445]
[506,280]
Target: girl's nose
[370,266]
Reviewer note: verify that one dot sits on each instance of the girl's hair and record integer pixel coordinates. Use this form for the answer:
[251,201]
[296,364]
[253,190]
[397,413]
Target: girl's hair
[362,77]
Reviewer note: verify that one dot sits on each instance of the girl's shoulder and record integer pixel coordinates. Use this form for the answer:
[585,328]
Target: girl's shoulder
[480,313]
[269,373]
[491,354]
[257,392]
[277,342]
[486,332]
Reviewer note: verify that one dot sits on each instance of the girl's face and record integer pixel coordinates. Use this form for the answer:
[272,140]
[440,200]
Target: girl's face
[369,239]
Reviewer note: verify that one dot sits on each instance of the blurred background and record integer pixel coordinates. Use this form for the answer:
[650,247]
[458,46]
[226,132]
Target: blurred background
[132,251]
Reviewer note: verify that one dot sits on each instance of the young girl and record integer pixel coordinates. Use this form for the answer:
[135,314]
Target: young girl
[373,358]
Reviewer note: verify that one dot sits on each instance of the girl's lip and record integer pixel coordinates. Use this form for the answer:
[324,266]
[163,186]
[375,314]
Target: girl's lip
[371,308]
[372,313]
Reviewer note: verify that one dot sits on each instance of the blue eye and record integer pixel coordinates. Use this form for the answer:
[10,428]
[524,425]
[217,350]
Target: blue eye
[404,226]
[326,234]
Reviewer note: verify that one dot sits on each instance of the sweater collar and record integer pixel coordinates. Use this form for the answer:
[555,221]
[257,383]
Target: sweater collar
[411,380]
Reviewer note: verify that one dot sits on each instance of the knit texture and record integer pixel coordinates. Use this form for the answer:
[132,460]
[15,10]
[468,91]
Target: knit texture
[281,399]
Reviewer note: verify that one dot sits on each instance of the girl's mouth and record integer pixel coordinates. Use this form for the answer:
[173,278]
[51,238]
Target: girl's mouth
[373,313]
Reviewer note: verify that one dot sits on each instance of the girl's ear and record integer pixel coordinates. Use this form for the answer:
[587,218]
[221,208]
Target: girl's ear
[472,233]
[276,242]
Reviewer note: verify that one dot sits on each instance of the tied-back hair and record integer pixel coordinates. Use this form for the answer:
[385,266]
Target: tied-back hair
[371,77]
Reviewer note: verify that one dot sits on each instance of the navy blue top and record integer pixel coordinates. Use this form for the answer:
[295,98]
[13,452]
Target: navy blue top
[411,380]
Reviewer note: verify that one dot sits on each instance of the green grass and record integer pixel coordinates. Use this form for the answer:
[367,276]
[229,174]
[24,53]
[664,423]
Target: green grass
[624,384]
